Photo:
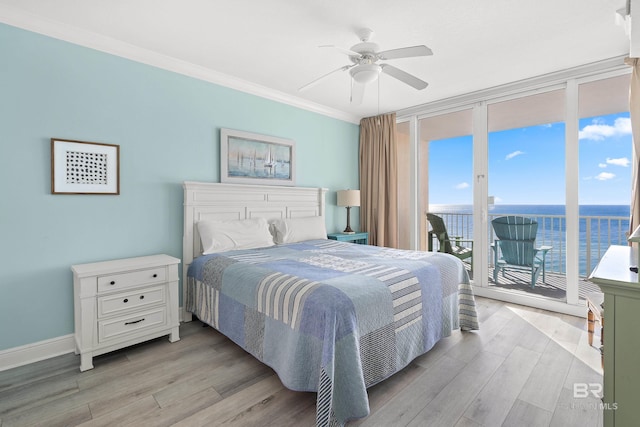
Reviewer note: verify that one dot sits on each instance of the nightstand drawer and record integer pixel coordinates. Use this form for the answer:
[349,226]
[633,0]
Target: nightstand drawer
[114,282]
[126,325]
[113,304]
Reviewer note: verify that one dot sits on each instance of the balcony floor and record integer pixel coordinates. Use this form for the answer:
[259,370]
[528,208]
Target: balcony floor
[555,285]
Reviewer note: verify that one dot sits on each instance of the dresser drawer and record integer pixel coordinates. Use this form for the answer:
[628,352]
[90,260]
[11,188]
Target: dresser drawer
[126,325]
[139,299]
[134,278]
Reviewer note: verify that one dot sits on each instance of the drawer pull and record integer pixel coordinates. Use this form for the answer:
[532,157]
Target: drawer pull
[141,296]
[155,275]
[135,321]
[113,282]
[126,300]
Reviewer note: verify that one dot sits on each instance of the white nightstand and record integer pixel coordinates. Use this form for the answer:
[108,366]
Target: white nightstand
[124,302]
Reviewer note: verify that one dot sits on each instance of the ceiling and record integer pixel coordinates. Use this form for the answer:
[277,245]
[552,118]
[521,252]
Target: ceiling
[271,47]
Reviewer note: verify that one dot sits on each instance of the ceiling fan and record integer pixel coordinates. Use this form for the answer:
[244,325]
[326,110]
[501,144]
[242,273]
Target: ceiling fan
[366,69]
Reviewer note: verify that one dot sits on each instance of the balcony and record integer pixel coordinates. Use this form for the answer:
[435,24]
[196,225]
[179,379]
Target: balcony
[597,233]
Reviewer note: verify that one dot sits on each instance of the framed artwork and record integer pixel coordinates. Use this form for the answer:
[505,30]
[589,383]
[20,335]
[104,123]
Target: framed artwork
[79,167]
[249,158]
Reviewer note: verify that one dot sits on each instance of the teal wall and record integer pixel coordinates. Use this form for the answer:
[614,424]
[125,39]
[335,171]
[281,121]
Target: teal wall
[167,126]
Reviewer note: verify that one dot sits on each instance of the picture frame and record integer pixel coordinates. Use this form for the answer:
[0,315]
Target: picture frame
[250,158]
[79,167]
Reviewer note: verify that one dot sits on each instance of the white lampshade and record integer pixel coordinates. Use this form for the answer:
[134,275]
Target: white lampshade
[349,198]
[365,73]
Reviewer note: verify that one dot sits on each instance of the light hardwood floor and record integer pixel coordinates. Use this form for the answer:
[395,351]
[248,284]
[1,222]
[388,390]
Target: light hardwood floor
[519,369]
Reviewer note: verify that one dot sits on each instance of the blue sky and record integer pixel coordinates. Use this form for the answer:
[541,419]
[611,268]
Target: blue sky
[526,165]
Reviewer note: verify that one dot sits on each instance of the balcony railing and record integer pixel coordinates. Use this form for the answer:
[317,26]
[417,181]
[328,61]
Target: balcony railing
[597,233]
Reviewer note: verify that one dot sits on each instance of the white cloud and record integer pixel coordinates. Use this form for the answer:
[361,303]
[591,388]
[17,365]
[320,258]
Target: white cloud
[462,186]
[605,176]
[623,161]
[602,165]
[597,130]
[514,154]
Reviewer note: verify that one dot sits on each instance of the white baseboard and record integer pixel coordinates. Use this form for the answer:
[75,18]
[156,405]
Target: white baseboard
[35,352]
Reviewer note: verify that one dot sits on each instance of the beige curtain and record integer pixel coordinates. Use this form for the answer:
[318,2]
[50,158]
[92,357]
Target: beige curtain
[634,111]
[379,179]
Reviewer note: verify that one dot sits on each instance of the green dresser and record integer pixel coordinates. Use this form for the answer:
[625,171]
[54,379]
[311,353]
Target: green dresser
[621,403]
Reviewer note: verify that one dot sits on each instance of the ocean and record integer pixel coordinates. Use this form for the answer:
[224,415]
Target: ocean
[600,226]
[585,210]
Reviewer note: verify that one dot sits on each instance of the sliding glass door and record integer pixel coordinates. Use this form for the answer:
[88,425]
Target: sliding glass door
[526,178]
[605,170]
[446,183]
[551,153]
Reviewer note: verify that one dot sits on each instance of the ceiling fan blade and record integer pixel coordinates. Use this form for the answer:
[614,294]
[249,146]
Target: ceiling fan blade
[319,79]
[341,49]
[403,76]
[405,52]
[357,92]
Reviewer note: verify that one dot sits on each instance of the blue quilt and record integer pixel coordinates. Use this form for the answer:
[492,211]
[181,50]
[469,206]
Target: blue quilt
[332,317]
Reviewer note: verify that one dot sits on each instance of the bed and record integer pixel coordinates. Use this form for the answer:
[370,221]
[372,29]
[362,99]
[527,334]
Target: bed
[329,317]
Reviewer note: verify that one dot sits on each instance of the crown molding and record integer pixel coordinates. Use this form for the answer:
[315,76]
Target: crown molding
[28,21]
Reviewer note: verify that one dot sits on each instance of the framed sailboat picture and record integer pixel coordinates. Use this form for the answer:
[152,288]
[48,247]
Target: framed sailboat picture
[249,158]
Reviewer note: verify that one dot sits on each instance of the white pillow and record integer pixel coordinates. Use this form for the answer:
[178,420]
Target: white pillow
[229,235]
[292,230]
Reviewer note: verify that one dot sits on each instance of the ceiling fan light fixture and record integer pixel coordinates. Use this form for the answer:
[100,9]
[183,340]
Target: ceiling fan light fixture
[365,69]
[365,73]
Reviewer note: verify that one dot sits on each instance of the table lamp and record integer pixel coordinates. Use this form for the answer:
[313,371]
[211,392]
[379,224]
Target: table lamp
[348,198]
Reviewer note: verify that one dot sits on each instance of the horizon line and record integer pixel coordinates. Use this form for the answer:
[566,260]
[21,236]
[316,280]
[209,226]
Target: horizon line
[532,204]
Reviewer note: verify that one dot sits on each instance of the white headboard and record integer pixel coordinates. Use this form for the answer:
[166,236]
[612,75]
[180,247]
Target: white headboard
[204,200]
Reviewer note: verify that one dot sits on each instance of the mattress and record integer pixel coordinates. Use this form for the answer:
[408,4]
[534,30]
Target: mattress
[332,317]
